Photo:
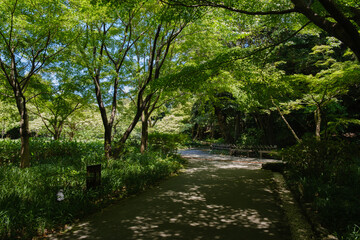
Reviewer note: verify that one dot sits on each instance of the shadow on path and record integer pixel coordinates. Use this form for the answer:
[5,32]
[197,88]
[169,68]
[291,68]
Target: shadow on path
[210,200]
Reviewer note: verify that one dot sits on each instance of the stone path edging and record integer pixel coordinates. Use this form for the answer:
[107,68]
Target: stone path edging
[299,226]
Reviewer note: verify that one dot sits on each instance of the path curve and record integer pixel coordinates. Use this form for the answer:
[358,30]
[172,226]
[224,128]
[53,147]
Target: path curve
[217,197]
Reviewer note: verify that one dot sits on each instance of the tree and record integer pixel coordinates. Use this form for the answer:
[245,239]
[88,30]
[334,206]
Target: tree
[151,53]
[146,99]
[62,100]
[85,123]
[29,40]
[110,32]
[327,86]
[340,19]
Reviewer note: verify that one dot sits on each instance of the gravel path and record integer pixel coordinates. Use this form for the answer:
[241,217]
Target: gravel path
[217,197]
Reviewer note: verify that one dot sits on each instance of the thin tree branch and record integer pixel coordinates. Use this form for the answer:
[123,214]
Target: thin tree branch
[3,68]
[6,95]
[43,119]
[128,95]
[218,5]
[35,96]
[267,47]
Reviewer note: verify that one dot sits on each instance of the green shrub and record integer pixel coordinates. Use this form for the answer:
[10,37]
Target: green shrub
[327,175]
[10,151]
[330,160]
[45,151]
[28,197]
[166,142]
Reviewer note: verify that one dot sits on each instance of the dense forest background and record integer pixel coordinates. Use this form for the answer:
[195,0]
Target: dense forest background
[98,81]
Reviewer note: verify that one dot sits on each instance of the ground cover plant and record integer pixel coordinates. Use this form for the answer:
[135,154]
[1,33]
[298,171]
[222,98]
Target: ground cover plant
[28,197]
[326,175]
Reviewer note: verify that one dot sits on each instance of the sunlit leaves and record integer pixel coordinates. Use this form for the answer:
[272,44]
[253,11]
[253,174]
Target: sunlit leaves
[31,30]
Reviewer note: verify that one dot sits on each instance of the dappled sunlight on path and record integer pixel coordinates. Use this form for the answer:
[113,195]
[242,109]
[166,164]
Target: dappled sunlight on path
[210,200]
[241,162]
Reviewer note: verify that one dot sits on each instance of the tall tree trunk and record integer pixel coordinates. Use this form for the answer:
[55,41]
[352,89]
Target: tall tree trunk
[212,131]
[144,132]
[223,126]
[194,131]
[3,128]
[262,124]
[197,133]
[72,132]
[286,122]
[24,133]
[270,129]
[201,132]
[58,130]
[141,105]
[148,110]
[106,123]
[107,141]
[317,117]
[267,127]
[121,144]
[237,126]
[56,134]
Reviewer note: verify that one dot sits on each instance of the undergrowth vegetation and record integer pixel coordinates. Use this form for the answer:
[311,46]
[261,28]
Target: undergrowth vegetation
[28,197]
[326,174]
[167,142]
